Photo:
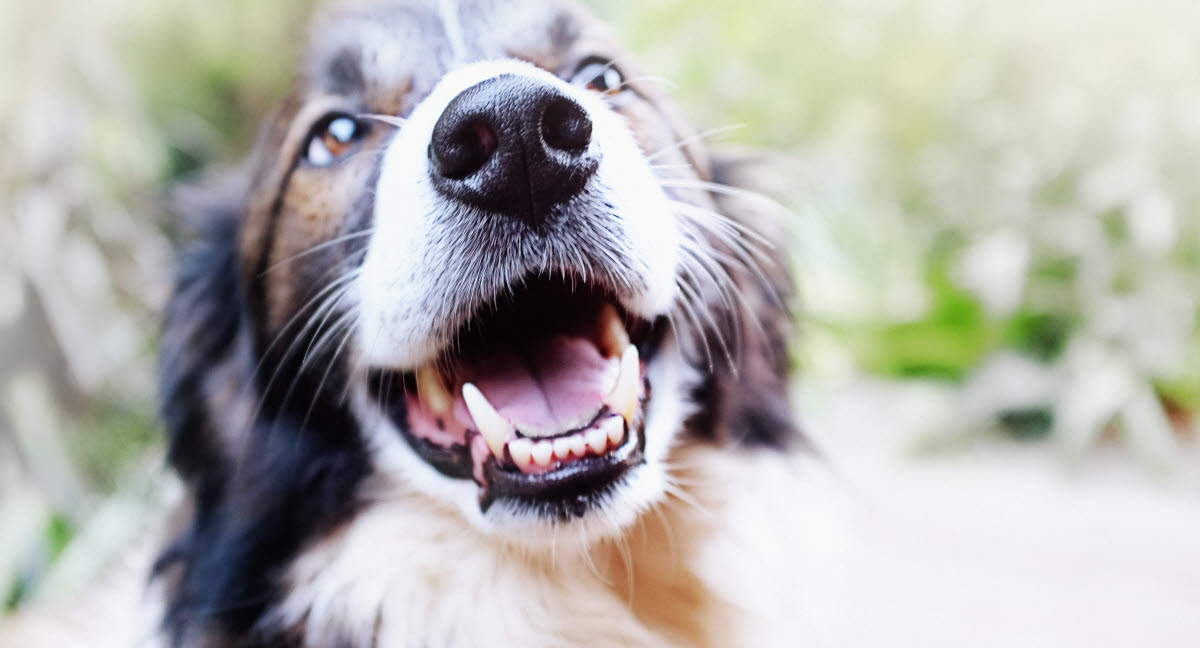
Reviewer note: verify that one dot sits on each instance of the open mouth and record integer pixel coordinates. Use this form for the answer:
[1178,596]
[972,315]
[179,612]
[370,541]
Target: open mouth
[540,397]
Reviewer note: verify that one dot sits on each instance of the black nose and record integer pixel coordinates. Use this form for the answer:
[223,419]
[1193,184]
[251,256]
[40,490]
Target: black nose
[512,145]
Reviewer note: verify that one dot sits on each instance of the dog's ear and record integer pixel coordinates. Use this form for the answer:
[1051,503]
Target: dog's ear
[203,323]
[202,326]
[748,383]
[258,480]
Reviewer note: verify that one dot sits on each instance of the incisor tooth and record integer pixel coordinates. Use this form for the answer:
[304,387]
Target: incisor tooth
[613,337]
[562,449]
[495,428]
[623,398]
[597,440]
[432,390]
[543,453]
[578,444]
[614,427]
[520,449]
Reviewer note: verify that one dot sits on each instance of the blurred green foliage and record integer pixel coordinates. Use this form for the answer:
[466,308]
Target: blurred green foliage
[975,180]
[997,197]
[211,72]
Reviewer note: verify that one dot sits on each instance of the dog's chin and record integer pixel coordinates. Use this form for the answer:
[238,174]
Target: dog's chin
[551,407]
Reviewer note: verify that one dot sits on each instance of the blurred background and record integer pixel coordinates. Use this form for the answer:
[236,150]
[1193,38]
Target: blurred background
[996,232]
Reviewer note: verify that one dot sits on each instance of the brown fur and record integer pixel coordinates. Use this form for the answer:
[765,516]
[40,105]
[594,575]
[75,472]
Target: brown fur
[685,572]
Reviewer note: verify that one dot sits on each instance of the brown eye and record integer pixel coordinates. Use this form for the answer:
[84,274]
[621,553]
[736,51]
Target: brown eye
[333,138]
[601,76]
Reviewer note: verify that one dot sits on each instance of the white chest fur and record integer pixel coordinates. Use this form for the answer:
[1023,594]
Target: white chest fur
[727,560]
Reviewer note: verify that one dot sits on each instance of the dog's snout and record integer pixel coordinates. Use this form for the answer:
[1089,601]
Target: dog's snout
[513,145]
[565,126]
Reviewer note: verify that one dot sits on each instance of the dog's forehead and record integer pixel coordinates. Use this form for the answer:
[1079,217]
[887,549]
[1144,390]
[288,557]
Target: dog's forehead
[390,52]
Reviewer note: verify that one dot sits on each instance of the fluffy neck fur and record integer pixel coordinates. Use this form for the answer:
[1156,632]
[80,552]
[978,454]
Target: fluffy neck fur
[701,569]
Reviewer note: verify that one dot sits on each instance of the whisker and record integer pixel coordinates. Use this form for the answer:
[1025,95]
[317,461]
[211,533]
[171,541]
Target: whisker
[715,265]
[730,231]
[685,497]
[694,138]
[748,256]
[696,259]
[730,287]
[657,508]
[695,296]
[687,309]
[587,556]
[738,229]
[716,187]
[626,553]
[390,120]
[646,77]
[671,166]
[723,284]
[359,365]
[295,319]
[322,298]
[333,361]
[745,250]
[617,61]
[317,248]
[331,333]
[342,294]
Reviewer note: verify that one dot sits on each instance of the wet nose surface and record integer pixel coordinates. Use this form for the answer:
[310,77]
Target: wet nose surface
[513,145]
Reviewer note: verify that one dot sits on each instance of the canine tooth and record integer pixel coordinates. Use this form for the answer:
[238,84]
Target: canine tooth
[495,428]
[615,429]
[543,453]
[520,449]
[562,449]
[597,440]
[623,398]
[613,336]
[432,390]
[577,443]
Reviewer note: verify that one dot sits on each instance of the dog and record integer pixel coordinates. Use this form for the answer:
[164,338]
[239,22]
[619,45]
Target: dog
[481,346]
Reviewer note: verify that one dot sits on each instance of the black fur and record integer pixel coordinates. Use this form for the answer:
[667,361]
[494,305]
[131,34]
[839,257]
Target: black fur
[260,494]
[202,322]
[294,478]
[295,473]
[744,394]
[343,76]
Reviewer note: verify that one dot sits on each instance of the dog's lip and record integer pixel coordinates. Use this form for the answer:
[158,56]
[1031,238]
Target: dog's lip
[563,491]
[452,444]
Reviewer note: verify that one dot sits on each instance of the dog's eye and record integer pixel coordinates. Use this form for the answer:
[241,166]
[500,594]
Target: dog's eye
[600,75]
[333,137]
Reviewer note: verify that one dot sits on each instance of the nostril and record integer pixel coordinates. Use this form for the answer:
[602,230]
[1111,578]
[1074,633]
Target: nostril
[464,150]
[514,146]
[566,126]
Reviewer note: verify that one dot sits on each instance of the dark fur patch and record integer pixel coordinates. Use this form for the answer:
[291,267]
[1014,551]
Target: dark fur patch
[288,471]
[343,76]
[295,478]
[746,396]
[563,33]
[201,325]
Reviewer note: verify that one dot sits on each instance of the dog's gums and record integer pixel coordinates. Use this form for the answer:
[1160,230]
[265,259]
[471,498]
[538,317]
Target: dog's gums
[480,315]
[541,397]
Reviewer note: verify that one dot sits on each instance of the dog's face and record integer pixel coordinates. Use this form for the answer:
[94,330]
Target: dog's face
[478,257]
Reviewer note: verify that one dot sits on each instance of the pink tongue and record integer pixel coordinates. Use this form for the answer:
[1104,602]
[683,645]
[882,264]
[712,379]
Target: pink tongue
[553,387]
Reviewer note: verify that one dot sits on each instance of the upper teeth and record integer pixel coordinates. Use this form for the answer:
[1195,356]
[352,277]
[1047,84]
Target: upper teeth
[495,428]
[623,398]
[433,390]
[498,432]
[613,337]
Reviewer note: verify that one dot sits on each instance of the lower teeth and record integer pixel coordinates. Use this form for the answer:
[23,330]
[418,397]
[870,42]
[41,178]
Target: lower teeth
[528,455]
